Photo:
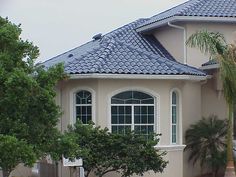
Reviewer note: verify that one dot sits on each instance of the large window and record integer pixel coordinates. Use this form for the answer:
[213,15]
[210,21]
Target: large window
[132,110]
[174,117]
[83,106]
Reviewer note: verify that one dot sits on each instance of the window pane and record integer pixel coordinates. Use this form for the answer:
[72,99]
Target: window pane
[114,110]
[144,110]
[83,97]
[174,98]
[128,119]
[132,97]
[89,109]
[150,129]
[121,119]
[151,119]
[128,110]
[89,118]
[83,110]
[174,134]
[114,129]
[144,119]
[137,109]
[174,120]
[137,119]
[148,101]
[121,110]
[114,119]
[143,129]
[150,109]
[117,101]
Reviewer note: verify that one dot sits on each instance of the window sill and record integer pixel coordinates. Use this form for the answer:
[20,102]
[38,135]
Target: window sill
[169,148]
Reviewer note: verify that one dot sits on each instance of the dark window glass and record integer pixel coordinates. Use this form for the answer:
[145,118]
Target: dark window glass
[83,106]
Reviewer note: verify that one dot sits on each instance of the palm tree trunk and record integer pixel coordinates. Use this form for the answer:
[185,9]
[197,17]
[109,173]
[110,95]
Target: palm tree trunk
[230,171]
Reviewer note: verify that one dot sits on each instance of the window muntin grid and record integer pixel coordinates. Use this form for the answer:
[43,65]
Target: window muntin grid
[83,106]
[132,110]
[174,118]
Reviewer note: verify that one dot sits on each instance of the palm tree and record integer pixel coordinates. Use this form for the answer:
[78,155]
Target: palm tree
[225,54]
[206,141]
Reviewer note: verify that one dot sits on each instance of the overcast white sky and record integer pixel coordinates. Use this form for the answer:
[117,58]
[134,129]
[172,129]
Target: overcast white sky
[56,26]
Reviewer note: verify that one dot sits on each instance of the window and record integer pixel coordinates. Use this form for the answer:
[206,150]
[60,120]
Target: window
[132,110]
[174,117]
[83,106]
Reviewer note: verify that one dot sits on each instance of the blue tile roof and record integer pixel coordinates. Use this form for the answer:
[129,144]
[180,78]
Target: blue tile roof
[201,8]
[123,51]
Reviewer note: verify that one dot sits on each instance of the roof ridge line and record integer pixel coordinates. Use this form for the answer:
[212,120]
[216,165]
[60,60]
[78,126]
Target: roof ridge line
[107,50]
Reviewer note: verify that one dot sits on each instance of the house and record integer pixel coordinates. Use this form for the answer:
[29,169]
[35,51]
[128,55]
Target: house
[142,77]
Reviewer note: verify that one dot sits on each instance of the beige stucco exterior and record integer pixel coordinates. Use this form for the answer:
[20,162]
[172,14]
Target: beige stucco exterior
[173,39]
[192,96]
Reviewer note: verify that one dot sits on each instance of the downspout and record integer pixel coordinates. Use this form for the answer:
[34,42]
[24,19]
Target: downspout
[185,39]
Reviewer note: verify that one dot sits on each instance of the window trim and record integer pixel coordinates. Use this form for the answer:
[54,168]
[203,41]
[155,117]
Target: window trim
[73,103]
[179,137]
[139,89]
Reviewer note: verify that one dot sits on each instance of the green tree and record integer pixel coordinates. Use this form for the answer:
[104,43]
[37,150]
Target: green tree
[13,152]
[27,92]
[206,141]
[103,152]
[215,45]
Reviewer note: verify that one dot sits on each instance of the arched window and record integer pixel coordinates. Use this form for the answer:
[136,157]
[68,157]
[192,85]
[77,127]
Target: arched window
[174,117]
[83,106]
[132,110]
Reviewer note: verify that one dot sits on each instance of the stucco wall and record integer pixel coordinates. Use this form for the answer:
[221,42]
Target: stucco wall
[105,88]
[194,56]
[172,39]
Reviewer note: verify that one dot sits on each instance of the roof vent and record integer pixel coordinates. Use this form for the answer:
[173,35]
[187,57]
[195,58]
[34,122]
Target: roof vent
[97,36]
[70,55]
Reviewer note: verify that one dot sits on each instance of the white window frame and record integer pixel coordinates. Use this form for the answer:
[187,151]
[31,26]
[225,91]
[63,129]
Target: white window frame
[73,104]
[139,89]
[179,133]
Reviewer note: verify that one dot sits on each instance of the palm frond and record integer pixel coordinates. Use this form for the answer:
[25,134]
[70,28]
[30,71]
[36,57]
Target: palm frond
[208,42]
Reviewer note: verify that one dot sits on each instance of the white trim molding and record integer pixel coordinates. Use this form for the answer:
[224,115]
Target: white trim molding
[140,89]
[170,148]
[72,103]
[173,19]
[208,67]
[137,76]
[179,117]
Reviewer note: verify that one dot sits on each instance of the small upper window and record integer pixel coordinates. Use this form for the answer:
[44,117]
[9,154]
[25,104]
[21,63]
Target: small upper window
[174,117]
[83,106]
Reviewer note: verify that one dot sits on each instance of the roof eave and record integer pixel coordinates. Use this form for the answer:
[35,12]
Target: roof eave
[138,76]
[209,67]
[164,22]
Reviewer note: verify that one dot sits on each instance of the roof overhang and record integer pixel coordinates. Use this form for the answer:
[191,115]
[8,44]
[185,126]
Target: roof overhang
[209,67]
[138,76]
[164,22]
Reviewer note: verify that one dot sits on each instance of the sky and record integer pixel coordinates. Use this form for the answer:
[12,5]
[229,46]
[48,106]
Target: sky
[57,26]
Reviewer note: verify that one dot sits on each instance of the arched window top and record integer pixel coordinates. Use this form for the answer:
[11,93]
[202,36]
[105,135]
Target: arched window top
[132,97]
[174,97]
[83,97]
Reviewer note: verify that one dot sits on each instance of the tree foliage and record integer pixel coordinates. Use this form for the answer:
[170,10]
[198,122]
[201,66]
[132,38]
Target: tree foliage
[27,92]
[206,141]
[103,152]
[13,152]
